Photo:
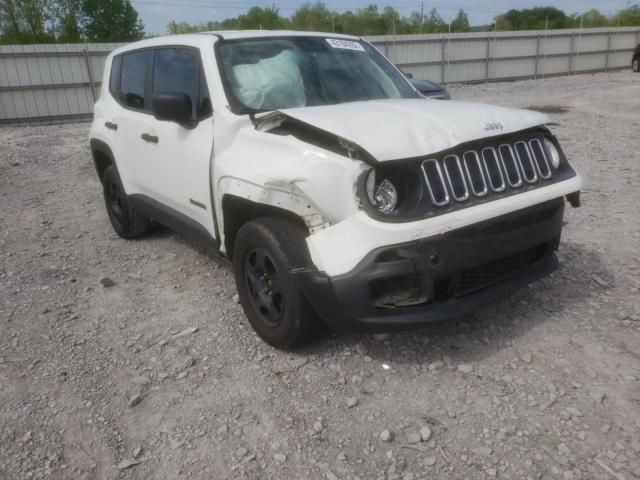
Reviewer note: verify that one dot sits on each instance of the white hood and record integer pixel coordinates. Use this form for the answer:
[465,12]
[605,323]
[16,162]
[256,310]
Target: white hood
[405,128]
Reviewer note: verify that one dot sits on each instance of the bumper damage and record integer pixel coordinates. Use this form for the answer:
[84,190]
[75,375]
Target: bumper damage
[436,278]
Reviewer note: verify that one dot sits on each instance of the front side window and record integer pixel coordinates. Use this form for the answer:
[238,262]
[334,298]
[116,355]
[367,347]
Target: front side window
[288,72]
[178,70]
[133,77]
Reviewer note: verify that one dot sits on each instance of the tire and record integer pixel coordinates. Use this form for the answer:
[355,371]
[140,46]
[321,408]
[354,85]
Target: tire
[126,222]
[265,251]
[635,65]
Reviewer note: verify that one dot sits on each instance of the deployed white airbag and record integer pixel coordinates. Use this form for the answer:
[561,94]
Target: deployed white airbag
[272,83]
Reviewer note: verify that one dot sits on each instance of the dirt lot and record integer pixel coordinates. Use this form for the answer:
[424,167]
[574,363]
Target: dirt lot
[163,369]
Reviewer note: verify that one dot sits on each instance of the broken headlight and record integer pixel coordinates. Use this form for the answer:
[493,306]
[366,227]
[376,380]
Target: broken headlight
[390,191]
[382,195]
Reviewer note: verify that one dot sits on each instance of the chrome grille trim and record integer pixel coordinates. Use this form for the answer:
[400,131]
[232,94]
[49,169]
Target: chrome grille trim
[514,162]
[470,176]
[496,161]
[534,177]
[430,187]
[542,164]
[448,174]
[457,176]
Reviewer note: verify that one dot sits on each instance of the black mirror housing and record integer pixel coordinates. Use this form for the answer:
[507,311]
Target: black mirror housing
[173,107]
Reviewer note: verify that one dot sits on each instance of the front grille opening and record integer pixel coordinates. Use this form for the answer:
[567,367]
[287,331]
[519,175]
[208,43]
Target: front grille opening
[400,291]
[526,162]
[435,182]
[455,177]
[540,157]
[475,173]
[510,165]
[492,164]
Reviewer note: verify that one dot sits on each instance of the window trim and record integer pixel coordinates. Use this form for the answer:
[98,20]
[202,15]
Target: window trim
[148,84]
[116,95]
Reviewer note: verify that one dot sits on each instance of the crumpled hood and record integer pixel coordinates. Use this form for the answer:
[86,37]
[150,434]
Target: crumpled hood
[405,128]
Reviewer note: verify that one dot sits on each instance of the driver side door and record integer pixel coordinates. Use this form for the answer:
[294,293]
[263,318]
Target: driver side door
[179,156]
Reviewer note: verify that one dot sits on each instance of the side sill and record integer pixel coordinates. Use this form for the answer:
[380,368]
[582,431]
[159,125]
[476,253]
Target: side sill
[176,221]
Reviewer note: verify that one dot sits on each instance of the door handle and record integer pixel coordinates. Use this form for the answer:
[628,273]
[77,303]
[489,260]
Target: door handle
[111,125]
[149,138]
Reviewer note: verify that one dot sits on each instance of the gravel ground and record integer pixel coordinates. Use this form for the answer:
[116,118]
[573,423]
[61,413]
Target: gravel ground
[160,375]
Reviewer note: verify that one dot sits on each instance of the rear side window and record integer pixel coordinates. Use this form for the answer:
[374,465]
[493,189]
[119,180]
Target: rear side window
[133,77]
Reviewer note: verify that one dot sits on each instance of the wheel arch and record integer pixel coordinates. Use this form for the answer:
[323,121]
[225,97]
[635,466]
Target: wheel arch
[237,211]
[102,156]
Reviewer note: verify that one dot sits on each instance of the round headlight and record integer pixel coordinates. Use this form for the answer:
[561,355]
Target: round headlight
[554,154]
[383,195]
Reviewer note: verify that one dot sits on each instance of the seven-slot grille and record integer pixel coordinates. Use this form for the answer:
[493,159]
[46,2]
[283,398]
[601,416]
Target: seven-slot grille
[457,177]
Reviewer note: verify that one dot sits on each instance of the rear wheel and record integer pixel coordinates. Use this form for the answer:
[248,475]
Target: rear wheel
[266,250]
[126,222]
[635,65]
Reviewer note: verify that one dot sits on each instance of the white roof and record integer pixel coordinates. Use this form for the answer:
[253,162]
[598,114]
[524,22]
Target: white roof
[233,34]
[199,39]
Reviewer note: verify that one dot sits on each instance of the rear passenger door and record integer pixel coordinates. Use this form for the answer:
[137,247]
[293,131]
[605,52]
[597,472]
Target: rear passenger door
[129,84]
[177,157]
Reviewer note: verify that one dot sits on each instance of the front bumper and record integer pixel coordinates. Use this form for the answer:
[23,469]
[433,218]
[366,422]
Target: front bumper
[439,277]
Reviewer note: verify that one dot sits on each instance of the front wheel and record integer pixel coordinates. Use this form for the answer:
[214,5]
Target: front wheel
[265,252]
[635,65]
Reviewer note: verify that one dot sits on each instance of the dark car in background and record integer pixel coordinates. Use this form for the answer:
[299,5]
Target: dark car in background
[635,62]
[428,88]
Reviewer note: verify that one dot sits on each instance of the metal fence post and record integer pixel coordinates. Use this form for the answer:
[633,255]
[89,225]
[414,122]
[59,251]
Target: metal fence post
[486,66]
[571,53]
[606,56]
[90,73]
[443,64]
[535,70]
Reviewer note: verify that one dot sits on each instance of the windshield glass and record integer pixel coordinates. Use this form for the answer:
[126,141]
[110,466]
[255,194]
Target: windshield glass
[286,72]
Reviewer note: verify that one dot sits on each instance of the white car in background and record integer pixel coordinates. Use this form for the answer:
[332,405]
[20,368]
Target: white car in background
[341,195]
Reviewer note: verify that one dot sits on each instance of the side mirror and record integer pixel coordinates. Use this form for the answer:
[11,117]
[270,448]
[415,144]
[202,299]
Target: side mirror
[173,107]
[408,75]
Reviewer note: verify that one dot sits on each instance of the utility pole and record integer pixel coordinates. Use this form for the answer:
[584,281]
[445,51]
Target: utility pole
[421,13]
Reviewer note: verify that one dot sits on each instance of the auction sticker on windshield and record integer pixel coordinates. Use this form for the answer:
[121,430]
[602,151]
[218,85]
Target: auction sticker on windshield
[345,44]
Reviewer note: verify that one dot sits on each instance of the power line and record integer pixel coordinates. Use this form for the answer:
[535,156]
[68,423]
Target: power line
[210,6]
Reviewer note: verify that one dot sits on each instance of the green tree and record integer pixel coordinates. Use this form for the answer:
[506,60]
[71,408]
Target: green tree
[434,23]
[502,24]
[11,24]
[461,22]
[256,18]
[110,21]
[174,28]
[36,13]
[590,19]
[67,15]
[629,17]
[25,21]
[537,18]
[313,17]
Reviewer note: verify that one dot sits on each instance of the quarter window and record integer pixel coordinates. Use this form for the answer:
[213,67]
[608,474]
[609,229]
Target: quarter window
[133,79]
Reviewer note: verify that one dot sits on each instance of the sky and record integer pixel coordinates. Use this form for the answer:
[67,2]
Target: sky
[156,14]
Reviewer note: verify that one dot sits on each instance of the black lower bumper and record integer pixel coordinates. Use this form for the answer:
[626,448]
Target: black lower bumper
[437,278]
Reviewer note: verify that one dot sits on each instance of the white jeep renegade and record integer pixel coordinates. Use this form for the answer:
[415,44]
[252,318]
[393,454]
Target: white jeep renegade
[342,196]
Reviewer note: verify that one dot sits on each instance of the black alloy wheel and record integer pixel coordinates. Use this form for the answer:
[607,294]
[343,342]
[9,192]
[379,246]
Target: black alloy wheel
[263,283]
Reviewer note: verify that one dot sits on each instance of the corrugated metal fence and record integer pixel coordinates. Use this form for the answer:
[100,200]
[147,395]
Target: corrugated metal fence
[49,83]
[46,83]
[488,56]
